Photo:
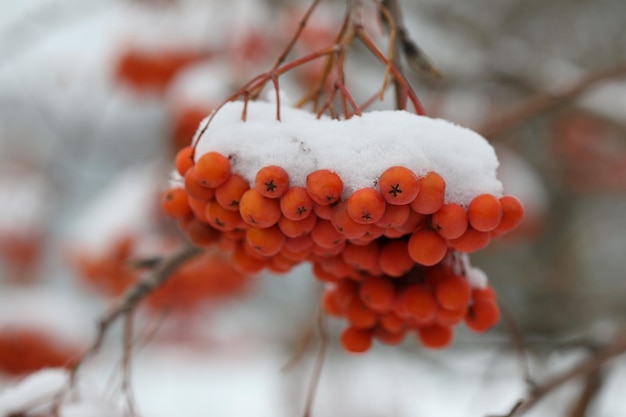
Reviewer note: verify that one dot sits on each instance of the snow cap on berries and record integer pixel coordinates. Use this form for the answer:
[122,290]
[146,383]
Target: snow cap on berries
[358,149]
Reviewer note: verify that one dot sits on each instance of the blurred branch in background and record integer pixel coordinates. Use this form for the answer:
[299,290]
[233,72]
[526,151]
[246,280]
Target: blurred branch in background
[545,102]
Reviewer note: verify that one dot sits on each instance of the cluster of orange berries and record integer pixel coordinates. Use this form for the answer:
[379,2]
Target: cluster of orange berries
[24,350]
[387,253]
[153,71]
[207,277]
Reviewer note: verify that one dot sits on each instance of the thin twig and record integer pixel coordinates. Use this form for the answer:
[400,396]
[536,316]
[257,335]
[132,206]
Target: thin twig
[319,363]
[517,339]
[593,383]
[132,298]
[416,59]
[301,26]
[406,88]
[281,58]
[585,367]
[314,93]
[127,364]
[544,102]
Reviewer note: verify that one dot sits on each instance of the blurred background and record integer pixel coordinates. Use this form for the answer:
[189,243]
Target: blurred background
[97,96]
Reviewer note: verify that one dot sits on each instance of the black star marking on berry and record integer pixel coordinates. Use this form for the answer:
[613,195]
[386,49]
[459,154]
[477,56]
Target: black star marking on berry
[270,186]
[219,222]
[367,217]
[395,190]
[301,210]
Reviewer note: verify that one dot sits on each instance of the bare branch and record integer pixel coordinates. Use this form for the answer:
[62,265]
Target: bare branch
[585,367]
[132,299]
[319,363]
[545,102]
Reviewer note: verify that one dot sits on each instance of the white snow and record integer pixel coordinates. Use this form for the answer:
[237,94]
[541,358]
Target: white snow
[35,394]
[358,149]
[27,202]
[123,208]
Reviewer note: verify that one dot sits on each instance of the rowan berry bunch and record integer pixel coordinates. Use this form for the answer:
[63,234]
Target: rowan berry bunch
[392,254]
[386,205]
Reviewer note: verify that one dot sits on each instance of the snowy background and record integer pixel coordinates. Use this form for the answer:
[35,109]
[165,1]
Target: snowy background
[87,141]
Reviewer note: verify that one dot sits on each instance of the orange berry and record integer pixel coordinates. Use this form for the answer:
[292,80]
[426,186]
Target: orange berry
[356,340]
[484,212]
[373,232]
[512,214]
[418,302]
[227,245]
[377,293]
[175,203]
[359,316]
[399,185]
[482,315]
[271,181]
[296,204]
[394,259]
[229,194]
[322,275]
[389,338]
[297,228]
[486,293]
[450,221]
[330,304]
[427,248]
[361,257]
[267,242]
[325,235]
[198,208]
[184,160]
[415,222]
[323,211]
[471,241]
[366,206]
[200,234]
[336,266]
[327,252]
[279,264]
[245,263]
[195,189]
[298,244]
[394,216]
[431,194]
[344,292]
[392,323]
[324,186]
[295,256]
[435,336]
[223,219]
[212,169]
[344,224]
[257,210]
[453,292]
[447,317]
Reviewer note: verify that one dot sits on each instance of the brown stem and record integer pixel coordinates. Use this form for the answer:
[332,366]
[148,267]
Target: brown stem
[127,365]
[517,339]
[319,363]
[131,300]
[585,367]
[362,36]
[347,96]
[314,93]
[593,383]
[542,103]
